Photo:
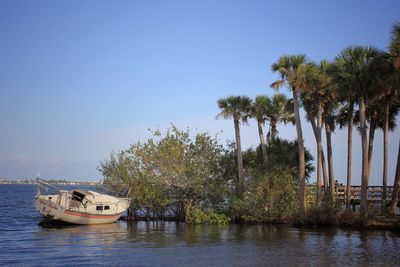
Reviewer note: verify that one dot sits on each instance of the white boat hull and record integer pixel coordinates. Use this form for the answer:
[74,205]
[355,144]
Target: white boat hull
[75,217]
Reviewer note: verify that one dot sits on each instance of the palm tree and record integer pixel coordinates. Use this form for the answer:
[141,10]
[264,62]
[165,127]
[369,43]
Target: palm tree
[346,94]
[394,50]
[381,112]
[258,111]
[279,109]
[356,64]
[292,70]
[387,122]
[372,115]
[313,102]
[238,108]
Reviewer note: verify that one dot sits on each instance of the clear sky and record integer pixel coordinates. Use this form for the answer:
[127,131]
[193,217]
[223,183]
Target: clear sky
[80,79]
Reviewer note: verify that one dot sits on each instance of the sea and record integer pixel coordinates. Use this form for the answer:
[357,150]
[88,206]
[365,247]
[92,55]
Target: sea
[26,242]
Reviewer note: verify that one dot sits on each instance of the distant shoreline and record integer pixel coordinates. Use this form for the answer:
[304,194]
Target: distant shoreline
[56,182]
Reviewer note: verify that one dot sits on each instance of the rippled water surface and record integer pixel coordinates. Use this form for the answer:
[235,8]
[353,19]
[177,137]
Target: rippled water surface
[24,243]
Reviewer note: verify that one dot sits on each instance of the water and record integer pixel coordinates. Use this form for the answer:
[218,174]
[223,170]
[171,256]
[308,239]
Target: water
[24,243]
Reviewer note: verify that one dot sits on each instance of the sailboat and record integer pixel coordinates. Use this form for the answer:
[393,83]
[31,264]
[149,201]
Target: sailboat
[78,206]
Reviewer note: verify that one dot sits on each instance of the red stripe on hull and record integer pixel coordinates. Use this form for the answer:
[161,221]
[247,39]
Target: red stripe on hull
[86,215]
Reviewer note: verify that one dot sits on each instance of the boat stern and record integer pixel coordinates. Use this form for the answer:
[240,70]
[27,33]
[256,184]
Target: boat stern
[47,207]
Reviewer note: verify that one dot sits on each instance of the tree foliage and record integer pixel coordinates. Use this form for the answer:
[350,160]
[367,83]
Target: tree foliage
[193,179]
[170,174]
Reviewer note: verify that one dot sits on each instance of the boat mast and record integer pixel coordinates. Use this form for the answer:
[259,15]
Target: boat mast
[37,182]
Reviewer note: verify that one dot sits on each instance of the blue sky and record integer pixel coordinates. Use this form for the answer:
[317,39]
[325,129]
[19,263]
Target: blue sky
[80,79]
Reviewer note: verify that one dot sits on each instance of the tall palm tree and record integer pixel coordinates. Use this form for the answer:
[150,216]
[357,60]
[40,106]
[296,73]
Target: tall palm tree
[278,110]
[238,108]
[313,102]
[372,116]
[258,111]
[381,112]
[347,95]
[292,70]
[386,121]
[328,109]
[356,63]
[394,50]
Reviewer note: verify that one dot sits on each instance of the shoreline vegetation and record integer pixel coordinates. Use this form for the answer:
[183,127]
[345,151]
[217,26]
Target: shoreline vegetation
[351,221]
[195,179]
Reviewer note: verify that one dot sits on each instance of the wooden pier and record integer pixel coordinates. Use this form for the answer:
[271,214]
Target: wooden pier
[374,194]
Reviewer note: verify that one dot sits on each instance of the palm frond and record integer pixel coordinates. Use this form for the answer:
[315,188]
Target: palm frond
[277,84]
[236,107]
[394,47]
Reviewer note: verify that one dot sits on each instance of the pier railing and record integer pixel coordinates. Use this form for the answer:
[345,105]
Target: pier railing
[375,194]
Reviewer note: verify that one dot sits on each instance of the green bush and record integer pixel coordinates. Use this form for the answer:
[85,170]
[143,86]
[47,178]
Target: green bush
[272,197]
[327,212]
[195,215]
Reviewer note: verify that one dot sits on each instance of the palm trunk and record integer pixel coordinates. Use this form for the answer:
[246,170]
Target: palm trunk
[328,132]
[396,186]
[319,151]
[323,165]
[371,135]
[300,141]
[349,154]
[240,188]
[385,158]
[324,172]
[364,165]
[262,140]
[273,130]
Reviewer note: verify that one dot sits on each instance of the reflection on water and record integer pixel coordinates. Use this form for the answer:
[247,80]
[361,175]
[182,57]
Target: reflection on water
[24,242]
[85,235]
